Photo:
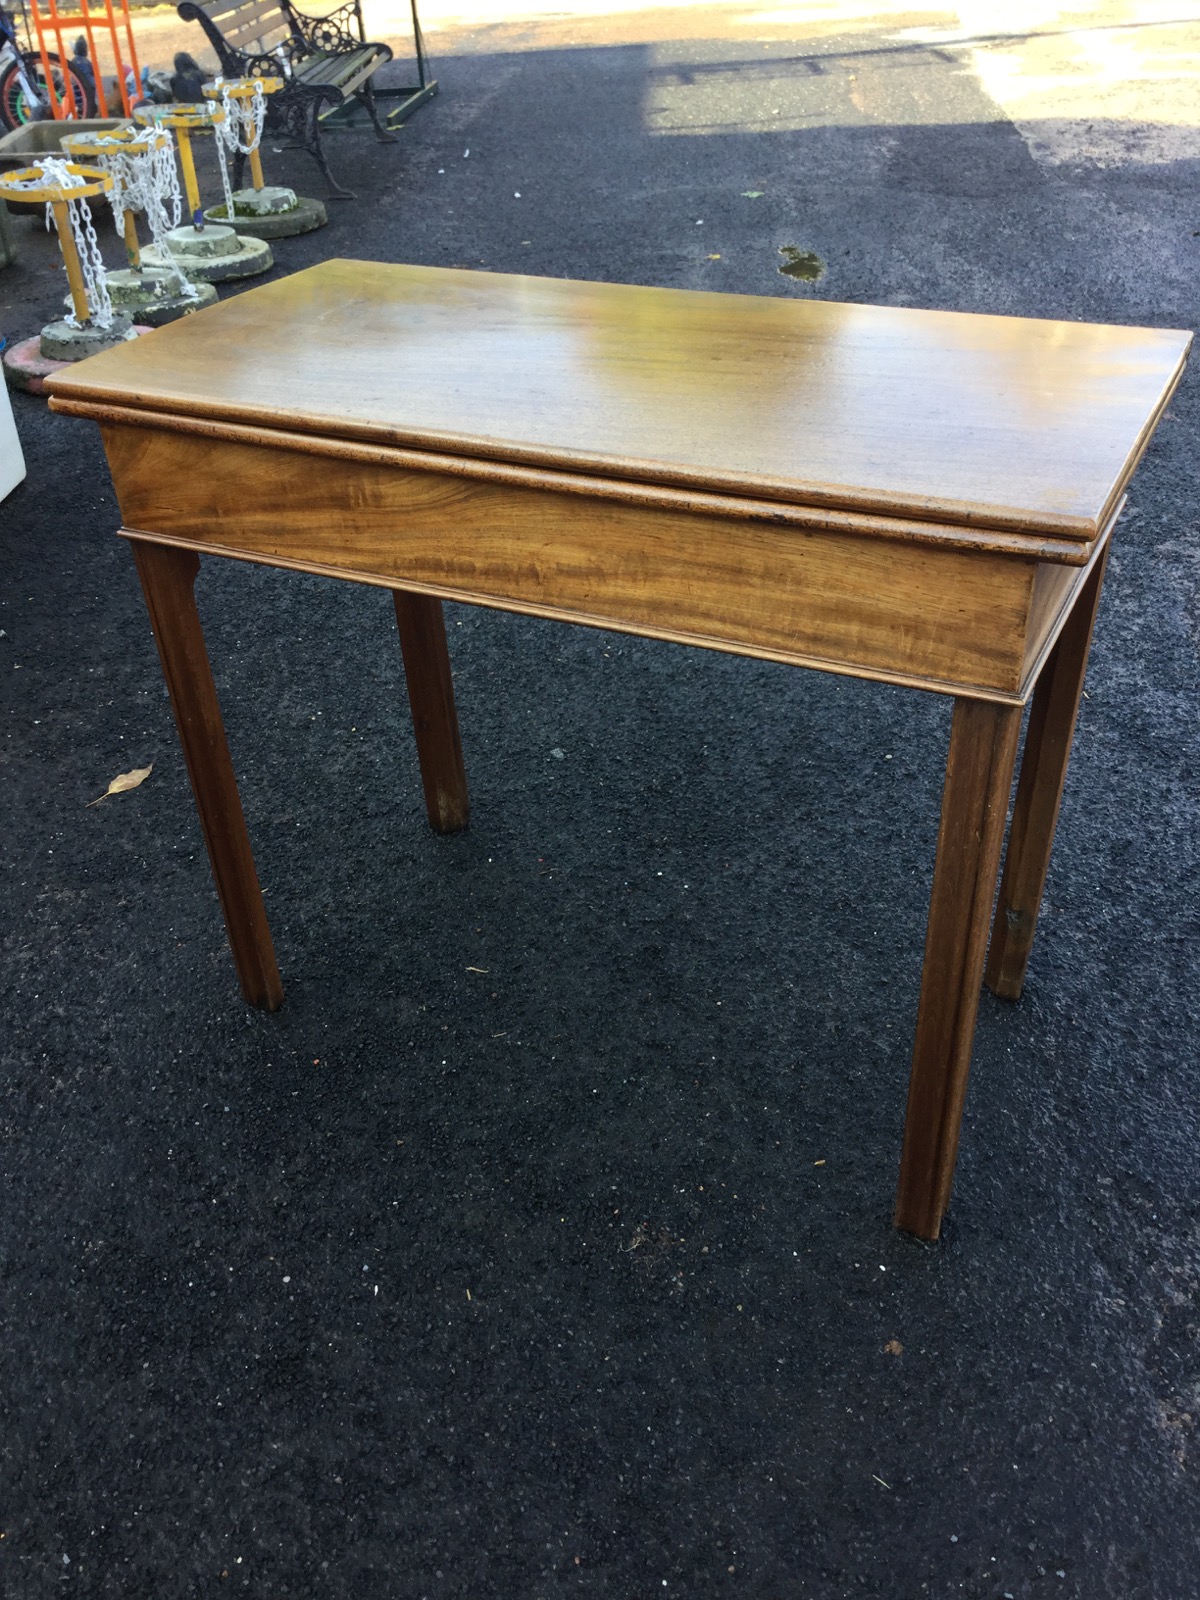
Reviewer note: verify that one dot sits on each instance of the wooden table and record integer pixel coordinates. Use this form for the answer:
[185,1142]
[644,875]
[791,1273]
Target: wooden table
[924,498]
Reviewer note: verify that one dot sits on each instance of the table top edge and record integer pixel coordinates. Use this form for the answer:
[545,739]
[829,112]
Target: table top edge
[100,402]
[736,501]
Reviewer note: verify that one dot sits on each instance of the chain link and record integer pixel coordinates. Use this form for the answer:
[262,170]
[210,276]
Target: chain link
[245,117]
[146,179]
[53,172]
[219,129]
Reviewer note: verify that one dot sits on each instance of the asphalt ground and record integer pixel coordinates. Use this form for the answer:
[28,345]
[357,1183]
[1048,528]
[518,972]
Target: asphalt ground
[541,1243]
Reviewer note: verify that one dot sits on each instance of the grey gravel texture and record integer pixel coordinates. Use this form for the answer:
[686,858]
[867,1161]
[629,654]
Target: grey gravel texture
[574,1275]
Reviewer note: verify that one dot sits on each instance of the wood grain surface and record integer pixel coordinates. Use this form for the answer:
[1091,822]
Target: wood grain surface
[167,583]
[932,616]
[1048,741]
[979,773]
[999,422]
[422,629]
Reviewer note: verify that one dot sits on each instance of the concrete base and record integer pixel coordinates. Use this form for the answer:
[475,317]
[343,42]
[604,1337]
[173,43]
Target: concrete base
[27,368]
[265,202]
[61,341]
[213,255]
[152,297]
[270,213]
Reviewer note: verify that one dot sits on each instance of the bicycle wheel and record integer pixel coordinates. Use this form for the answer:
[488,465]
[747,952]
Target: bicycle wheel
[24,96]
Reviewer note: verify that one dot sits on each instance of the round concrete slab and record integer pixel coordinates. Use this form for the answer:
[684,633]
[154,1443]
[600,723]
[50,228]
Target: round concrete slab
[303,217]
[153,297]
[26,367]
[199,244]
[63,341]
[213,255]
[272,197]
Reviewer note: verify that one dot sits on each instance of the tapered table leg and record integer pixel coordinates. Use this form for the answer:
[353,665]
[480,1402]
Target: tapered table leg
[979,772]
[1039,792]
[422,629]
[168,577]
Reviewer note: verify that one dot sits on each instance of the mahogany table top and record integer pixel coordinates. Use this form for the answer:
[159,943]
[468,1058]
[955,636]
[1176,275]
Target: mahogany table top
[975,421]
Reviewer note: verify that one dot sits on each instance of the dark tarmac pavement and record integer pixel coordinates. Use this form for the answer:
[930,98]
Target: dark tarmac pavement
[575,1275]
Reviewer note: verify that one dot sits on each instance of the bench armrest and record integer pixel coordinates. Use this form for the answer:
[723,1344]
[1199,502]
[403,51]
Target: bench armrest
[231,60]
[331,33]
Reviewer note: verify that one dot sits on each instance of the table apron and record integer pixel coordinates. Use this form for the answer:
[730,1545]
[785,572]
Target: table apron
[958,621]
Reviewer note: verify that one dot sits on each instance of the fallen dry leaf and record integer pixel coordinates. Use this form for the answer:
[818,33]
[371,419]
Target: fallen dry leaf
[124,781]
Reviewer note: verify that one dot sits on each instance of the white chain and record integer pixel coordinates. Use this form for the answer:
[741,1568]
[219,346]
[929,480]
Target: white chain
[222,132]
[145,179]
[94,277]
[244,117]
[54,173]
[241,131]
[219,130]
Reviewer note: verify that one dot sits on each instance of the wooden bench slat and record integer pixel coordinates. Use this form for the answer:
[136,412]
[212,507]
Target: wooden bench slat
[259,40]
[225,8]
[251,20]
[249,11]
[347,88]
[328,67]
[258,37]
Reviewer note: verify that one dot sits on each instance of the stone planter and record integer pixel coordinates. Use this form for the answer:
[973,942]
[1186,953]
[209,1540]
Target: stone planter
[23,146]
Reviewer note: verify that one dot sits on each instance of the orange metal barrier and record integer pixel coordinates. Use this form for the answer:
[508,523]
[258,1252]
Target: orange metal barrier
[107,19]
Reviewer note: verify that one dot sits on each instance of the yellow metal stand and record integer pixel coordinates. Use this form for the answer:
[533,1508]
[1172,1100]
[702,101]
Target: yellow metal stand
[119,141]
[245,89]
[184,120]
[24,186]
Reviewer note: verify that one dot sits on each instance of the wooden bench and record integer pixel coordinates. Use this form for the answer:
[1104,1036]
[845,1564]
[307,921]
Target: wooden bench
[322,60]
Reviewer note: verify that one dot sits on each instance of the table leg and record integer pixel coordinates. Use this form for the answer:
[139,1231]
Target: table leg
[168,577]
[979,773]
[431,696]
[1039,793]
